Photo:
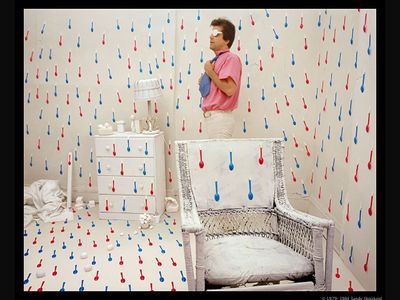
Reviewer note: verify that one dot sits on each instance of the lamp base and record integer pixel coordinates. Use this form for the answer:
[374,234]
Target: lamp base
[150,132]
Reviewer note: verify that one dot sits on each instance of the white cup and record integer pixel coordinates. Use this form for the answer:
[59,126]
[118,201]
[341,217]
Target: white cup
[121,127]
[138,128]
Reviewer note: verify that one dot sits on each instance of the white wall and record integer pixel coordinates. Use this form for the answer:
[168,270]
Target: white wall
[290,38]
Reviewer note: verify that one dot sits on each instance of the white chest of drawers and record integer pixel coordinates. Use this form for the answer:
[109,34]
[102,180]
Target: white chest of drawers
[130,175]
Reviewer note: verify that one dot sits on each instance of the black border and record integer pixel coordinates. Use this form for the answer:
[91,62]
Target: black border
[383,123]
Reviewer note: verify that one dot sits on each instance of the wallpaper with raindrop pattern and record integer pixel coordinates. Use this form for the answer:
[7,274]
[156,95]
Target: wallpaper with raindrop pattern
[308,76]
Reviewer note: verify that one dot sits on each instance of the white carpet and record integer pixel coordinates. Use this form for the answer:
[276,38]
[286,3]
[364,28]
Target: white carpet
[55,249]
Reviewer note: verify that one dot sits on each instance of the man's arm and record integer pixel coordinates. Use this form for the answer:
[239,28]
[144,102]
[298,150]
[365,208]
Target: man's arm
[227,86]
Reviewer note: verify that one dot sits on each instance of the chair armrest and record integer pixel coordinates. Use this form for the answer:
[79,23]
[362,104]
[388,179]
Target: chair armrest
[281,199]
[296,229]
[304,234]
[305,218]
[190,221]
[189,217]
[297,235]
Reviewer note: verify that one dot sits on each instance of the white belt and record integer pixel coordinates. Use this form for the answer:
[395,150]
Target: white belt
[209,113]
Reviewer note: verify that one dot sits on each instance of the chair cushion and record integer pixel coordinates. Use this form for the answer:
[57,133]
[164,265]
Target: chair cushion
[232,260]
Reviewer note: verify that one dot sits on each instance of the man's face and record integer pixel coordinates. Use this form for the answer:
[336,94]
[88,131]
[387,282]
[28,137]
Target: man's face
[217,42]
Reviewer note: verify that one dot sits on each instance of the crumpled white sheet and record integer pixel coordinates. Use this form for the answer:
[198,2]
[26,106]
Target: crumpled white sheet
[44,199]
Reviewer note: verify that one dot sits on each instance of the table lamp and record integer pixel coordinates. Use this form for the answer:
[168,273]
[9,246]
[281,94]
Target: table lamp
[147,90]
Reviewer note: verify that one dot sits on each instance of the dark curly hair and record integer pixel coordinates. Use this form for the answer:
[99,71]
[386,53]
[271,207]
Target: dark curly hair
[228,29]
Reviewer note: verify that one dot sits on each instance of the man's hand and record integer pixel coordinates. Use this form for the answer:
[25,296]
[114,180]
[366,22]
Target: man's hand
[209,67]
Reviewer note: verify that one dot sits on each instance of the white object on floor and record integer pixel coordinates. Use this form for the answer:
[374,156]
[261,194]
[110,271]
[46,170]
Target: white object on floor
[79,204]
[79,200]
[156,219]
[40,273]
[84,255]
[110,247]
[92,203]
[87,268]
[46,199]
[145,220]
[171,205]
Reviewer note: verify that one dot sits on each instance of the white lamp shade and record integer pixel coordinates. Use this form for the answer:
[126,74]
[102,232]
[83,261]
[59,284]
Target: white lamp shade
[147,89]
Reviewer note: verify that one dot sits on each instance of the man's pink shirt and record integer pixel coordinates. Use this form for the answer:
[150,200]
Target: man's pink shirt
[227,65]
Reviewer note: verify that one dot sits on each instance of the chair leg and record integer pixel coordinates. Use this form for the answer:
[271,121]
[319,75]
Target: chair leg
[329,257]
[200,269]
[188,260]
[318,257]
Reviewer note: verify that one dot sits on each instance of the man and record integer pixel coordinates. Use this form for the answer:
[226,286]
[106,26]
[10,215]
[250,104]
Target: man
[225,74]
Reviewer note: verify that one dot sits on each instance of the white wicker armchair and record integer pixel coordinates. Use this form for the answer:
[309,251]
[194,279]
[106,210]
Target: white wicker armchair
[248,236]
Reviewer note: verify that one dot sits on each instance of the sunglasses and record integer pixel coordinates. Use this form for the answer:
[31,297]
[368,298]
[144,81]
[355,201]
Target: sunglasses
[215,32]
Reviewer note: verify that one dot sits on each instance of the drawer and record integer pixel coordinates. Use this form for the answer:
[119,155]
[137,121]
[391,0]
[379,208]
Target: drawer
[127,204]
[130,166]
[126,185]
[126,147]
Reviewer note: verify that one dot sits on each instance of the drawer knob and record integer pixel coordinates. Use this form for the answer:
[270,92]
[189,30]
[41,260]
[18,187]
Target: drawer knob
[108,167]
[110,186]
[141,187]
[140,148]
[108,148]
[140,168]
[110,204]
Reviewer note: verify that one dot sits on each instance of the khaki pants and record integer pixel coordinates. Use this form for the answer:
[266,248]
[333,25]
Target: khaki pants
[219,124]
